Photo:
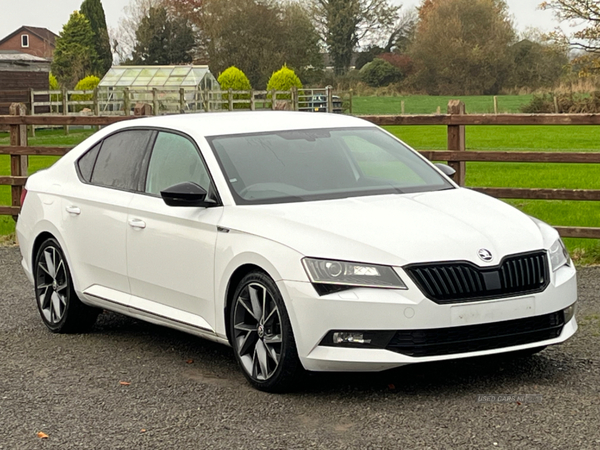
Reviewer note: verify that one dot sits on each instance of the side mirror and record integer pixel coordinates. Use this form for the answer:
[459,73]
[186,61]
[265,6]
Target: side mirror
[446,169]
[186,194]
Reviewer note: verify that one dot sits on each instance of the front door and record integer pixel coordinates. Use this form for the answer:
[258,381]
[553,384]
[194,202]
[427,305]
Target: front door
[170,250]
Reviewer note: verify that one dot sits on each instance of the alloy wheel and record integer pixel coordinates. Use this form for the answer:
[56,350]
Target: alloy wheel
[257,331]
[52,285]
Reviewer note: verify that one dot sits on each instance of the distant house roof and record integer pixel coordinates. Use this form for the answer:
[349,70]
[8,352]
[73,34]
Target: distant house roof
[43,33]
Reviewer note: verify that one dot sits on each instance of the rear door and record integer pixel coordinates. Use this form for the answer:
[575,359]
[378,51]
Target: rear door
[95,214]
[170,250]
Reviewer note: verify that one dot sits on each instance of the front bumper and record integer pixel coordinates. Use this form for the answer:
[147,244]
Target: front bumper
[314,316]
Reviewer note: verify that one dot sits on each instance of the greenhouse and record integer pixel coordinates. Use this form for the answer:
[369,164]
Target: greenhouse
[169,89]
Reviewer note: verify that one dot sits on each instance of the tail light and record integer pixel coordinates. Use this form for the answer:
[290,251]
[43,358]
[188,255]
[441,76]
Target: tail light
[23,195]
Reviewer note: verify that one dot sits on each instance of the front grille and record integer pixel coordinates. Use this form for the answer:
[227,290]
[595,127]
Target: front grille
[462,281]
[472,338]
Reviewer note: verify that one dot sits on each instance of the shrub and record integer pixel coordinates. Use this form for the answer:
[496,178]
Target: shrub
[233,78]
[567,103]
[379,73]
[53,83]
[54,86]
[284,80]
[88,83]
[402,62]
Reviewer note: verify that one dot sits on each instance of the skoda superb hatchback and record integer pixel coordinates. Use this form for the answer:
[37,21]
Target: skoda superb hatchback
[305,242]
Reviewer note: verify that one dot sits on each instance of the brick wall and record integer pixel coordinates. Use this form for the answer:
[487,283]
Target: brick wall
[37,46]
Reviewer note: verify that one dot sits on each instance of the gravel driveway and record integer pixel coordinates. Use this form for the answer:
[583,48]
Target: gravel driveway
[130,385]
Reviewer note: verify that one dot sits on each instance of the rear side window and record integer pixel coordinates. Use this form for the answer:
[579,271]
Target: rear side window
[122,159]
[87,161]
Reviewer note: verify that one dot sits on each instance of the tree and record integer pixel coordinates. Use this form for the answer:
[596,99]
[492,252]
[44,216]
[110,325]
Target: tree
[582,12]
[379,72]
[122,38]
[537,64]
[93,11]
[345,23]
[258,37]
[162,40]
[75,53]
[462,47]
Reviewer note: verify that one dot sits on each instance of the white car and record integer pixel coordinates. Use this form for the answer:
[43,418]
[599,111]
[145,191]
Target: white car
[306,242]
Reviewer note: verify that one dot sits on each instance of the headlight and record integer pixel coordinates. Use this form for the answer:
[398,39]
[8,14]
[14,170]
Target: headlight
[559,256]
[325,271]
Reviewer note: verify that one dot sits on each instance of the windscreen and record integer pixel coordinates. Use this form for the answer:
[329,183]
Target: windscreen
[320,164]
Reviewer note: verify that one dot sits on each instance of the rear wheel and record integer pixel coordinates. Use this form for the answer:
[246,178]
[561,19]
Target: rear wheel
[60,308]
[262,336]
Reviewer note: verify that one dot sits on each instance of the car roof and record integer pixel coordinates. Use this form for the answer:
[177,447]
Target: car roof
[221,123]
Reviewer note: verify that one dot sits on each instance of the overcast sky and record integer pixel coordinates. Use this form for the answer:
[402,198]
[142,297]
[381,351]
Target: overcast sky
[53,14]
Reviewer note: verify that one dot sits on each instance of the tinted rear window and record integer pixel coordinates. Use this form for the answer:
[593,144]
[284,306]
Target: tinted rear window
[87,161]
[122,160]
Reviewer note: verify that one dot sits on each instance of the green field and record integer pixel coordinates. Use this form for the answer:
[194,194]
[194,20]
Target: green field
[425,104]
[515,138]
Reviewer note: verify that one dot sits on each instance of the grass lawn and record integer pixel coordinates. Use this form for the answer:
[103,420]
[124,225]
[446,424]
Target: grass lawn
[425,104]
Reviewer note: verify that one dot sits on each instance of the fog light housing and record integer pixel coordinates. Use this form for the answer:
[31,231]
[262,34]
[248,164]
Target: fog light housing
[350,337]
[569,312]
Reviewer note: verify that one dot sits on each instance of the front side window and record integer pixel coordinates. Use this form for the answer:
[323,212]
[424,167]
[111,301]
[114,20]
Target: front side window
[25,40]
[303,165]
[121,161]
[175,159]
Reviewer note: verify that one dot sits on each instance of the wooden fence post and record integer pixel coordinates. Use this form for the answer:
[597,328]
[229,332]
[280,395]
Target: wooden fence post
[252,101]
[402,107]
[96,103]
[18,163]
[181,100]
[350,101]
[456,141]
[65,106]
[126,102]
[329,91]
[31,128]
[295,103]
[230,98]
[273,99]
[495,104]
[155,101]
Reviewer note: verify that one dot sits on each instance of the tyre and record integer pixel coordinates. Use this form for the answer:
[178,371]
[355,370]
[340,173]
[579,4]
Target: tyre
[262,336]
[59,306]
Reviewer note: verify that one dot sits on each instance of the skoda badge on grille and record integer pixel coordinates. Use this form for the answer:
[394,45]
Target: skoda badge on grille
[485,254]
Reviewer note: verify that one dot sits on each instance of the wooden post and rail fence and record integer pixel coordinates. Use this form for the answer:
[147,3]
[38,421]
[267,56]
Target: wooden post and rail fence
[456,154]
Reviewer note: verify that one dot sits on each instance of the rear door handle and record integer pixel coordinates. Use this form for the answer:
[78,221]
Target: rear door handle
[73,210]
[137,223]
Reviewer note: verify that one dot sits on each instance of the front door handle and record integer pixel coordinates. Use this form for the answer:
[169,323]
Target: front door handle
[73,210]
[137,223]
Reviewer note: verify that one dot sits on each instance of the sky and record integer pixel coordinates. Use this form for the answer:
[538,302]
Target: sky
[53,14]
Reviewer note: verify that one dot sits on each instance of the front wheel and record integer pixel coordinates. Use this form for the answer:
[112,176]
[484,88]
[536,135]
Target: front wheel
[262,336]
[59,306]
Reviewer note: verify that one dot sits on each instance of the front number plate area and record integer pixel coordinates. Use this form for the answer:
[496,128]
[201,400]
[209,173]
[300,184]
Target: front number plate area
[492,311]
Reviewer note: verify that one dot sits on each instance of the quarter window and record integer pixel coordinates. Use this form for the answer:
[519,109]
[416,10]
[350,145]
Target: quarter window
[175,159]
[122,160]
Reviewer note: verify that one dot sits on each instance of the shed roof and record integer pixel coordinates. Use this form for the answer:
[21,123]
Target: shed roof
[154,76]
[14,55]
